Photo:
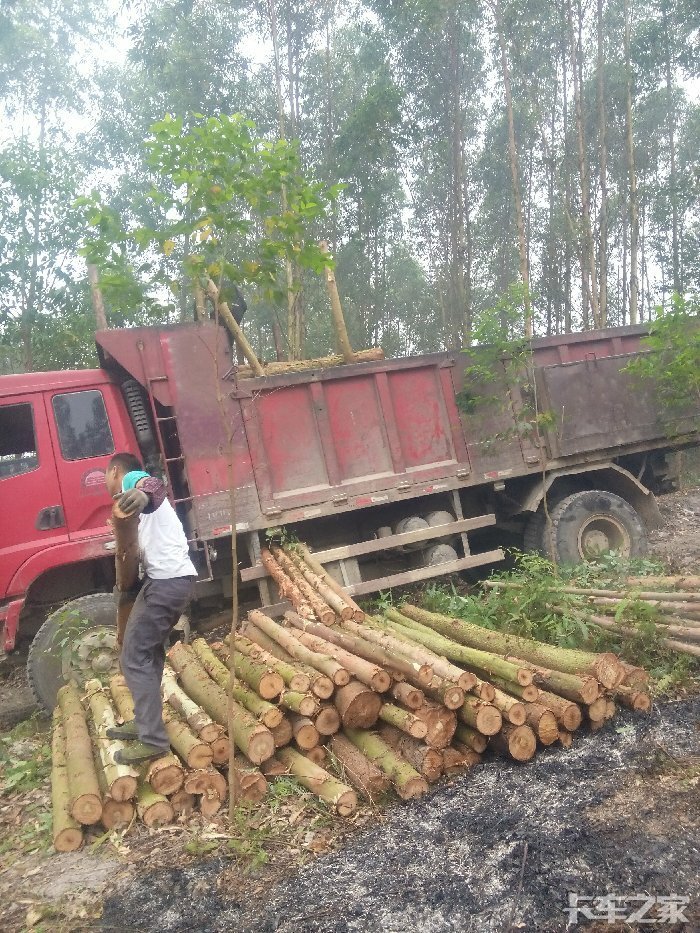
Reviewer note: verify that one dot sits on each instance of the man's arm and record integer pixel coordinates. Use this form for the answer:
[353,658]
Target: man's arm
[146,496]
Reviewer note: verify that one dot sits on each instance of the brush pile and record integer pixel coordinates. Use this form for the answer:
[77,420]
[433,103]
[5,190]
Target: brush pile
[343,701]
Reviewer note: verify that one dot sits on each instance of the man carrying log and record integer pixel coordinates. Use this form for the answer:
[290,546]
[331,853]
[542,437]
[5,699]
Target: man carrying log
[166,589]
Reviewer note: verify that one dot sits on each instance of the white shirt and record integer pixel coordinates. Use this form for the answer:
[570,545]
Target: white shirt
[163,547]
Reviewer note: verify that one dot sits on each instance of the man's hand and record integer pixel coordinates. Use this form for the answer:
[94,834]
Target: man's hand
[133,502]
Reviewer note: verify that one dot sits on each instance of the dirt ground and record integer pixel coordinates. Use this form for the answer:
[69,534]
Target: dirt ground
[497,849]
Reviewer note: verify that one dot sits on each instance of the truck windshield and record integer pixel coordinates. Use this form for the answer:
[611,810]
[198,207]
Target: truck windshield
[83,427]
[17,440]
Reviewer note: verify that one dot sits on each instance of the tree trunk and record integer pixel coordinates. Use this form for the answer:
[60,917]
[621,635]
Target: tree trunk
[543,723]
[404,720]
[325,664]
[182,803]
[449,694]
[194,752]
[319,782]
[567,714]
[367,672]
[282,734]
[84,788]
[287,588]
[511,709]
[67,831]
[457,758]
[321,609]
[358,706]
[428,761]
[529,693]
[293,678]
[268,714]
[351,636]
[319,684]
[153,809]
[441,723]
[514,170]
[631,174]
[475,740]
[410,696]
[121,779]
[604,667]
[327,720]
[519,742]
[122,698]
[338,603]
[320,570]
[407,781]
[197,719]
[305,732]
[98,304]
[603,174]
[126,562]
[166,775]
[433,639]
[671,129]
[362,773]
[481,716]
[303,703]
[252,738]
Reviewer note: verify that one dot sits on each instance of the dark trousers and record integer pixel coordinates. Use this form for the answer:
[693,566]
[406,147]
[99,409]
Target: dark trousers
[158,607]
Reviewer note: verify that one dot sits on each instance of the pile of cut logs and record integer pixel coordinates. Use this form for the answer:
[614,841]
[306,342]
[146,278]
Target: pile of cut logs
[343,701]
[672,605]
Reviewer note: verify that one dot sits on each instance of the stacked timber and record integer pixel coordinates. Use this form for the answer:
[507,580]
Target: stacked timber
[671,605]
[347,703]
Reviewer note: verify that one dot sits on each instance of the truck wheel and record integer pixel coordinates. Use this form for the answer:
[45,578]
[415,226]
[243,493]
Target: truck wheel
[533,536]
[587,524]
[77,642]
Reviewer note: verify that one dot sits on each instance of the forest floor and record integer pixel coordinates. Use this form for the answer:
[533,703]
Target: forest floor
[501,848]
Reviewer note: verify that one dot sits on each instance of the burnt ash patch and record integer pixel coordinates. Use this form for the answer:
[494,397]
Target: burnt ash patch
[595,820]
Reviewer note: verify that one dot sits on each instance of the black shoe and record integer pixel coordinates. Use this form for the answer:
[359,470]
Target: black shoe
[139,752]
[127,731]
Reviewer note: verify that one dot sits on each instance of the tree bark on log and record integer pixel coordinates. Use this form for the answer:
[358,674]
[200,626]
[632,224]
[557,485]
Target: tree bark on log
[373,355]
[121,695]
[251,737]
[495,664]
[528,694]
[305,733]
[458,758]
[282,734]
[207,779]
[518,742]
[317,754]
[320,685]
[319,782]
[404,720]
[126,563]
[603,667]
[678,582]
[637,700]
[512,710]
[197,719]
[484,690]
[294,679]
[480,715]
[426,760]
[305,704]
[337,603]
[543,723]
[325,664]
[318,568]
[362,773]
[366,671]
[596,710]
[121,779]
[287,588]
[567,714]
[153,809]
[166,775]
[323,612]
[468,736]
[578,689]
[410,696]
[441,723]
[449,694]
[359,647]
[268,714]
[188,745]
[67,831]
[84,788]
[273,767]
[428,662]
[182,803]
[358,706]
[406,780]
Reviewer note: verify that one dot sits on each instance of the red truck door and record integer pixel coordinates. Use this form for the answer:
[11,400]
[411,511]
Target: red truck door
[83,442]
[31,508]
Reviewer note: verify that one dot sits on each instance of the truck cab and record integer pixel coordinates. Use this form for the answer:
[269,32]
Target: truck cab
[57,433]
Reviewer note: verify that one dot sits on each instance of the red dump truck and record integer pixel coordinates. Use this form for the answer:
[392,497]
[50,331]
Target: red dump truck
[393,472]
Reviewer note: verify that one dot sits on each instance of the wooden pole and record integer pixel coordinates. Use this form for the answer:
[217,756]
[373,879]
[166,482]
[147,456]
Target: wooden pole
[98,304]
[224,312]
[337,311]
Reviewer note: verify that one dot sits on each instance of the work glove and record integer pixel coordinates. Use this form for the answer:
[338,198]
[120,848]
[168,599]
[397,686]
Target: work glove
[133,502]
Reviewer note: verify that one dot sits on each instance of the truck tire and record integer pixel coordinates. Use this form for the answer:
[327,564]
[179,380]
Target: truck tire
[589,523]
[533,536]
[77,642]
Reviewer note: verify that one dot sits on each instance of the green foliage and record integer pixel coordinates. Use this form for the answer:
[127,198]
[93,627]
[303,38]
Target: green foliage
[673,363]
[216,185]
